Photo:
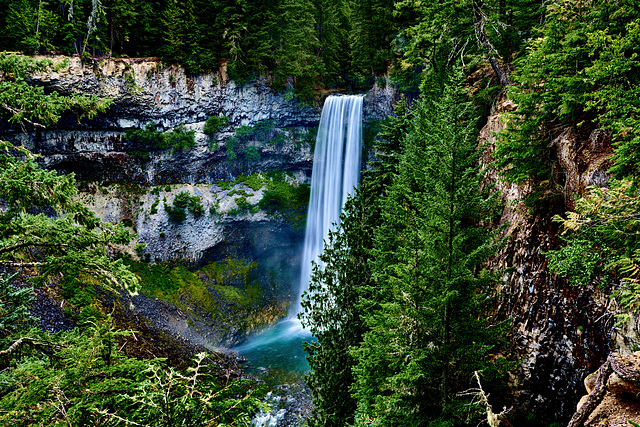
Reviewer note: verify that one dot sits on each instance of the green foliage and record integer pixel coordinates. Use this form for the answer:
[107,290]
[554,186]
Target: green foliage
[254,182]
[280,196]
[242,203]
[183,200]
[154,207]
[603,247]
[72,242]
[176,213]
[23,104]
[374,27]
[149,139]
[14,305]
[195,206]
[582,70]
[330,306]
[401,285]
[214,124]
[247,140]
[427,333]
[81,378]
[179,139]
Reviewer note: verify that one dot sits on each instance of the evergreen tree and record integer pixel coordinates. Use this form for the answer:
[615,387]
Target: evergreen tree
[426,333]
[31,26]
[179,20]
[581,71]
[121,17]
[373,28]
[297,49]
[72,241]
[331,306]
[332,32]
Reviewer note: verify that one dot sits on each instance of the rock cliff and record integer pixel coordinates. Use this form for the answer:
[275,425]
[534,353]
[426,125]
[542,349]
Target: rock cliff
[560,333]
[125,182]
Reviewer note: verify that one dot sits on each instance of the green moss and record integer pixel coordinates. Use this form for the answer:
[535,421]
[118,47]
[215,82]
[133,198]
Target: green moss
[212,288]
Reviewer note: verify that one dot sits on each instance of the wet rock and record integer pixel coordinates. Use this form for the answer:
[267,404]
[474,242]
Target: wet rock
[560,332]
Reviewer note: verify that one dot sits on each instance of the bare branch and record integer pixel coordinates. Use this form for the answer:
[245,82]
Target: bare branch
[15,111]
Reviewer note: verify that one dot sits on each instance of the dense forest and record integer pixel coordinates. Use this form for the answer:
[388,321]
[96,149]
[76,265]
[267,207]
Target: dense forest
[400,308]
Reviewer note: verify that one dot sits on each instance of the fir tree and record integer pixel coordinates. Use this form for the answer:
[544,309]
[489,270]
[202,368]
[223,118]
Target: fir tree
[331,306]
[426,332]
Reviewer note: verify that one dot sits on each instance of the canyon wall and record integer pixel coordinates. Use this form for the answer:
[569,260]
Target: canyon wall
[128,183]
[560,333]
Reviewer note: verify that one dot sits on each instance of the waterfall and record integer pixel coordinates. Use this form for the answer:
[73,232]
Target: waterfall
[335,174]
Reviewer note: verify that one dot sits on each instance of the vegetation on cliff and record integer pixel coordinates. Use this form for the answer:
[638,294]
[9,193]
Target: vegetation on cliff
[81,376]
[400,307]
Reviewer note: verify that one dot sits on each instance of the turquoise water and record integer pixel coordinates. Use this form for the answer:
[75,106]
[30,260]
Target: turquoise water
[276,354]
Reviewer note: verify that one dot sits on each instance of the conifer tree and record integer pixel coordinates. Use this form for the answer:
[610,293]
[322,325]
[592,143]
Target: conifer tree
[426,333]
[42,227]
[297,49]
[373,29]
[332,311]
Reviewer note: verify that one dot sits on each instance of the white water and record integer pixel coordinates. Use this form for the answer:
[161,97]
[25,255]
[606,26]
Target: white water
[335,174]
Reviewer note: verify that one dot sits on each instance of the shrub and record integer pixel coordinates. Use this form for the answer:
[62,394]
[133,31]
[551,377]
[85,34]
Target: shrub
[263,132]
[182,199]
[214,124]
[282,196]
[195,205]
[176,213]
[149,139]
[154,207]
[179,139]
[242,203]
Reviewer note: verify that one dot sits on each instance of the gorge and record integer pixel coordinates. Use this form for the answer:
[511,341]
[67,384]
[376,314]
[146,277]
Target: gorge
[255,249]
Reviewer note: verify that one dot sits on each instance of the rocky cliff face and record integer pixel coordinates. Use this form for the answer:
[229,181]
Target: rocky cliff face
[561,333]
[124,185]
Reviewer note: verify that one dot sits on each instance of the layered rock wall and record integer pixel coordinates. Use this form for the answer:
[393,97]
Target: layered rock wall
[123,185]
[560,333]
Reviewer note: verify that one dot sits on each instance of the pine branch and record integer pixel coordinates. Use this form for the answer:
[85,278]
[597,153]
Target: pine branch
[31,342]
[16,112]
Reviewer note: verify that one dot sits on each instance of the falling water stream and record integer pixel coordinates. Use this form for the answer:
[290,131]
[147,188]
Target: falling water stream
[277,353]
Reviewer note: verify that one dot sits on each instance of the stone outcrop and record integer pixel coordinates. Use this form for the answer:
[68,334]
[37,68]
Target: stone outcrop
[560,332]
[121,186]
[612,394]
